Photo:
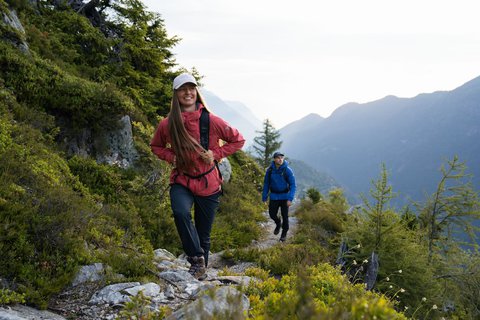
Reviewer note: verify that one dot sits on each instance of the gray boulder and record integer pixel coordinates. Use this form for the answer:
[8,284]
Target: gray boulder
[21,312]
[113,294]
[226,302]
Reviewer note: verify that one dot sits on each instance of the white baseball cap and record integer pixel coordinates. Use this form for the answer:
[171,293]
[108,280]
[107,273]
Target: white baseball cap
[183,78]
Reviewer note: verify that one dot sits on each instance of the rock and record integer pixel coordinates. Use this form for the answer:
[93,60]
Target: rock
[224,302]
[119,147]
[90,273]
[372,271]
[170,292]
[177,276]
[113,294]
[149,290]
[238,280]
[162,254]
[21,312]
[165,265]
[11,19]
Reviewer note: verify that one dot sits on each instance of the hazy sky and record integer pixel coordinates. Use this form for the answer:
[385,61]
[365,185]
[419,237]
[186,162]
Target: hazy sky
[286,59]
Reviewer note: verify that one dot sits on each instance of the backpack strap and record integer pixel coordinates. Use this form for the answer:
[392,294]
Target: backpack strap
[205,137]
[205,129]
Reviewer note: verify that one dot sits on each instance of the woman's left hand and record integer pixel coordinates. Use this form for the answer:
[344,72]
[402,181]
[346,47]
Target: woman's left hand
[207,156]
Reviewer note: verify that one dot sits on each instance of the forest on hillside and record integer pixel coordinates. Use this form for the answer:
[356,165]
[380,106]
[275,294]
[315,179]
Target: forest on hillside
[73,70]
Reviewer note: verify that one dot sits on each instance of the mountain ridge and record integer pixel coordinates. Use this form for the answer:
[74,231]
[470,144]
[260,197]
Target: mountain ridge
[412,136]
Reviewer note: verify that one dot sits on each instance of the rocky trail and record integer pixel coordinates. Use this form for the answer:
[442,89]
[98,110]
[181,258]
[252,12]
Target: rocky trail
[89,297]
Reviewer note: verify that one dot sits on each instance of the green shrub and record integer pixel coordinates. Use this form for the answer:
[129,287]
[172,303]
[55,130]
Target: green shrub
[83,103]
[240,211]
[318,292]
[314,195]
[11,297]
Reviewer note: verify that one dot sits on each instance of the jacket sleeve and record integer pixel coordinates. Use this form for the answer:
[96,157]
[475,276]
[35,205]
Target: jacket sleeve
[291,182]
[266,187]
[233,138]
[159,144]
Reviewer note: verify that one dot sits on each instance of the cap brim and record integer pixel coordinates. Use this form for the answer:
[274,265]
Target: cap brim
[181,84]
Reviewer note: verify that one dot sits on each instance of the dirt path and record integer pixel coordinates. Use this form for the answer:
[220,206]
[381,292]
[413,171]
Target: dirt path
[268,238]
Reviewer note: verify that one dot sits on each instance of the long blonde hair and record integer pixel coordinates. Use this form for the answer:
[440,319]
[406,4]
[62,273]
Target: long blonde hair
[183,144]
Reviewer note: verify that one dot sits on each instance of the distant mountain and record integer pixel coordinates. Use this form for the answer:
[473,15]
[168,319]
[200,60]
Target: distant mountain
[307,177]
[235,113]
[245,112]
[290,131]
[412,136]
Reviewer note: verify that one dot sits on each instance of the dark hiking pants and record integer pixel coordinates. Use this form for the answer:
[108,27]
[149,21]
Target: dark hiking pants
[195,236]
[273,206]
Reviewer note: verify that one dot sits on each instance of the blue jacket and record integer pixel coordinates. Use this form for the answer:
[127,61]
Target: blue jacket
[280,183]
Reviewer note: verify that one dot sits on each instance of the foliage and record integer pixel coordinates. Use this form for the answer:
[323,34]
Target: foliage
[48,214]
[139,308]
[82,103]
[10,297]
[314,195]
[453,208]
[319,292]
[404,274]
[236,223]
[451,211]
[130,49]
[319,222]
[266,143]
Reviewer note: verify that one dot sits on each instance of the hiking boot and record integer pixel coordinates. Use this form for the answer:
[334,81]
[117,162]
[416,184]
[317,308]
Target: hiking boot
[197,267]
[277,228]
[283,237]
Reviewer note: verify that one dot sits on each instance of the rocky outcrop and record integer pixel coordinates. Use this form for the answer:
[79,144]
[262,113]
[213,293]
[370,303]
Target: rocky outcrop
[114,147]
[20,312]
[13,30]
[118,147]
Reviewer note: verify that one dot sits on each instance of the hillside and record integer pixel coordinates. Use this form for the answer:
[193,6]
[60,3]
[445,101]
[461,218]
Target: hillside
[86,226]
[412,136]
[81,92]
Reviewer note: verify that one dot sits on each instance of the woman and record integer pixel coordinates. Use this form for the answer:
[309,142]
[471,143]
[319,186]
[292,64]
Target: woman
[195,179]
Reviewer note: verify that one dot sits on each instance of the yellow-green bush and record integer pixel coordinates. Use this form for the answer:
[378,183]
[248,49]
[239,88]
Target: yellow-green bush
[10,297]
[319,292]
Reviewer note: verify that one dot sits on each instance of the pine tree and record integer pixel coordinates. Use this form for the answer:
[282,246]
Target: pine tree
[451,208]
[266,143]
[404,273]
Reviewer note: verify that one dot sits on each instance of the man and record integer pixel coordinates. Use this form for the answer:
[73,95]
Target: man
[279,182]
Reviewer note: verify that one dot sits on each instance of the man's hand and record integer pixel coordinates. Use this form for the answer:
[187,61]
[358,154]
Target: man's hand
[289,203]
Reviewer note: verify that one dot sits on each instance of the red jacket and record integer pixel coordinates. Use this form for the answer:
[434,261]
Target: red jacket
[219,129]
